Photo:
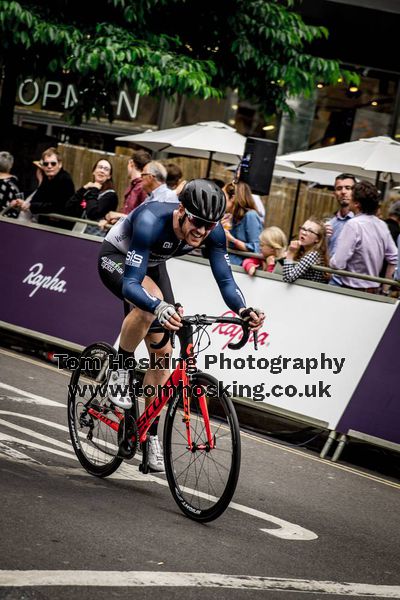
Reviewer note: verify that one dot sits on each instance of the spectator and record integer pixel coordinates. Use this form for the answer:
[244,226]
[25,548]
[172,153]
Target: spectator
[229,192]
[96,198]
[134,194]
[174,178]
[55,189]
[397,272]
[310,249]
[344,185]
[273,244]
[8,184]
[393,220]
[154,177]
[246,223]
[174,175]
[365,242]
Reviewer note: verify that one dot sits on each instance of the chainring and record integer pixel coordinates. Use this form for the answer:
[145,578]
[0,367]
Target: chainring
[128,441]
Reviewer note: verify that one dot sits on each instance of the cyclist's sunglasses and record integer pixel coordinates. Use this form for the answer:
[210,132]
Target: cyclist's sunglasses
[49,163]
[199,223]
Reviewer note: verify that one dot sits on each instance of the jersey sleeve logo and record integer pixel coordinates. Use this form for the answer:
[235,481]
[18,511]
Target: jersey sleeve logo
[133,259]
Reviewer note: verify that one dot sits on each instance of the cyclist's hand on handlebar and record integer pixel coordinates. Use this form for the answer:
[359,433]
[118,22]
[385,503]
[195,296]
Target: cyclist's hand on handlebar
[254,316]
[168,316]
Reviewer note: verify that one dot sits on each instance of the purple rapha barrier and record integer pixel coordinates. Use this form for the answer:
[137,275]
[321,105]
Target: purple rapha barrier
[374,408]
[50,285]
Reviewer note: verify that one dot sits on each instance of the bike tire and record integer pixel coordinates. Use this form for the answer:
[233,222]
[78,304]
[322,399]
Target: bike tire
[202,482]
[95,443]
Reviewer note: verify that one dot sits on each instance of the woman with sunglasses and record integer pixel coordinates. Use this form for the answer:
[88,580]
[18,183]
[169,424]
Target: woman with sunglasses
[55,189]
[96,198]
[310,249]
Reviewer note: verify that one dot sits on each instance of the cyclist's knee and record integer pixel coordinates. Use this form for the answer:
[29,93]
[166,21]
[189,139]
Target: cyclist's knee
[142,316]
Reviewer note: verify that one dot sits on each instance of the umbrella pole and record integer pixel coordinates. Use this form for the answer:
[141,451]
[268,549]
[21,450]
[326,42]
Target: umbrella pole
[296,201]
[209,165]
[378,174]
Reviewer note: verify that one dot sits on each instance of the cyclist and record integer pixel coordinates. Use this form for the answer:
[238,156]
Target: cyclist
[143,241]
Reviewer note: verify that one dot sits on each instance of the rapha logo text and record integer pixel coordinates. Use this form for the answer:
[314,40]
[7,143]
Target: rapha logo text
[47,282]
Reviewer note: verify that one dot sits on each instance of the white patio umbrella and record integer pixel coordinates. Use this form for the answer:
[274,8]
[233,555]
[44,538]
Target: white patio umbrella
[373,158]
[319,176]
[210,139]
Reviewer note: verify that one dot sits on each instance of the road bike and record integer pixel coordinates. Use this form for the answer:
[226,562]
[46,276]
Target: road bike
[201,432]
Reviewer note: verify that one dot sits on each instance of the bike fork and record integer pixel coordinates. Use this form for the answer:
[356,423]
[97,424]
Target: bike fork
[207,444]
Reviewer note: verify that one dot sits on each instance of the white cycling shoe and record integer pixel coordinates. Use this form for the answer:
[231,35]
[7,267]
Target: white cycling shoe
[155,454]
[118,389]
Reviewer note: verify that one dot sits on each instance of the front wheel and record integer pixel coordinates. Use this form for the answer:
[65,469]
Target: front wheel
[202,477]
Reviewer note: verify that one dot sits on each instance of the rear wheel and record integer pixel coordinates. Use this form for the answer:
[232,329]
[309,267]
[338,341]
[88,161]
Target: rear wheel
[202,479]
[94,421]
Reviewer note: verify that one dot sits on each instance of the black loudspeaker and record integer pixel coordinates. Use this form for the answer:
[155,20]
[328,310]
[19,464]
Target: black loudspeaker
[257,164]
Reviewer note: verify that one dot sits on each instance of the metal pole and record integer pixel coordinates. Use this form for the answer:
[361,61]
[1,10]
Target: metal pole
[209,165]
[328,444]
[296,201]
[339,448]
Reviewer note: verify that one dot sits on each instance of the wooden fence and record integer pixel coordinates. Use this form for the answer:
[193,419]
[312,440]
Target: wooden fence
[280,203]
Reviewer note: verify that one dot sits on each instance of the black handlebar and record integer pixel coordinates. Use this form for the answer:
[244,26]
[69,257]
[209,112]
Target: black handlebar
[207,320]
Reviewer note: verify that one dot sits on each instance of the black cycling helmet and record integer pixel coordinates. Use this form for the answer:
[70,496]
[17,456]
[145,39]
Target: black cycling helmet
[203,199]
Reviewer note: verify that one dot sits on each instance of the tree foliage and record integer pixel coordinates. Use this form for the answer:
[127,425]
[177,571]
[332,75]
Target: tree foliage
[260,47]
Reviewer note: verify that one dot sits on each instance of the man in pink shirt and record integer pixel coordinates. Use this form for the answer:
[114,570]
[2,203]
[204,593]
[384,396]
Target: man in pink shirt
[365,242]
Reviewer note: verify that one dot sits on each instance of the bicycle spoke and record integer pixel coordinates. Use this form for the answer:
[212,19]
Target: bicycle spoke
[203,477]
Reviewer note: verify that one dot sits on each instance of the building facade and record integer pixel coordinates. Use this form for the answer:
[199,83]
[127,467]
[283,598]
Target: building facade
[362,37]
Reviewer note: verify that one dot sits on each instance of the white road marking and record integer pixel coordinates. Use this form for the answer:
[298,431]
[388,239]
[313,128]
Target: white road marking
[197,580]
[37,419]
[17,455]
[32,397]
[131,472]
[10,438]
[284,530]
[35,434]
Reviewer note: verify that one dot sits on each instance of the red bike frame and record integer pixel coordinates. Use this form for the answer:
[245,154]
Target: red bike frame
[178,380]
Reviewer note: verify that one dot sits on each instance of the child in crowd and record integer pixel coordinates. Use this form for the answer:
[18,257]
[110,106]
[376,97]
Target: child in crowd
[273,244]
[310,249]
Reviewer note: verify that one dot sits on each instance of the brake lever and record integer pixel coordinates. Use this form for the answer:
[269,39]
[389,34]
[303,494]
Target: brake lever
[172,338]
[255,339]
[243,341]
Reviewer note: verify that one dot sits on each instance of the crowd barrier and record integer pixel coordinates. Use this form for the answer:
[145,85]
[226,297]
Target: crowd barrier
[327,356]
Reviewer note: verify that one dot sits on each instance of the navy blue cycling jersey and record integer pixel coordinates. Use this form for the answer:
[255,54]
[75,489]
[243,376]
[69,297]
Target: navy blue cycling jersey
[147,238]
